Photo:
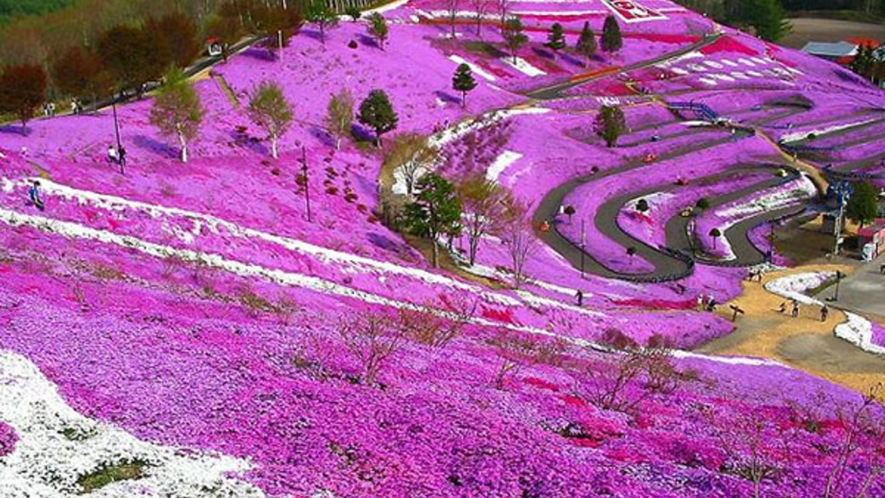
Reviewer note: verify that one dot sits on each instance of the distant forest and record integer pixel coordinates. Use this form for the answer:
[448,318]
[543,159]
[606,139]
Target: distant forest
[15,8]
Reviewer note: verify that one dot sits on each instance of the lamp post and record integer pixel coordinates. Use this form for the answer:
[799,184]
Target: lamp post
[582,248]
[839,276]
[306,181]
[117,133]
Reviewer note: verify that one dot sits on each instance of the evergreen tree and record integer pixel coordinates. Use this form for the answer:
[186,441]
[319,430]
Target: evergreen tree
[377,113]
[611,35]
[767,17]
[610,124]
[270,110]
[322,16]
[513,34]
[378,28]
[586,45]
[177,110]
[463,82]
[863,204]
[435,211]
[556,38]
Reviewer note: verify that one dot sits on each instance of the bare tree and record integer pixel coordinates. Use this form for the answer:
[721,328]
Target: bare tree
[515,352]
[863,426]
[515,232]
[747,441]
[434,330]
[481,8]
[481,201]
[372,338]
[452,7]
[410,154]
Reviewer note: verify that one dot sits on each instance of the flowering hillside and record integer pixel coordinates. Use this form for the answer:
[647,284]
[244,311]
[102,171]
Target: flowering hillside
[192,330]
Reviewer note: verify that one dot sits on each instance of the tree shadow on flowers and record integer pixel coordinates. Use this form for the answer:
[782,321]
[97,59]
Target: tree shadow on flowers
[155,147]
[447,97]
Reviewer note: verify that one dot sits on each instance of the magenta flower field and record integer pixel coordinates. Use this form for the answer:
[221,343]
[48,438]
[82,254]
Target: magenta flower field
[188,320]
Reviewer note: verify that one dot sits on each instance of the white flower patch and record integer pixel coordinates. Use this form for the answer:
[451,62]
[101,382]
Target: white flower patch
[707,81]
[47,464]
[739,75]
[694,54]
[722,77]
[473,67]
[464,127]
[794,286]
[799,189]
[713,64]
[801,135]
[746,62]
[759,61]
[858,331]
[679,71]
[214,224]
[501,163]
[697,68]
[523,66]
[729,63]
[755,74]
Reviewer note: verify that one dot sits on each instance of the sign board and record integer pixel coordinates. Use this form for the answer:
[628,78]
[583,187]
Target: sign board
[631,11]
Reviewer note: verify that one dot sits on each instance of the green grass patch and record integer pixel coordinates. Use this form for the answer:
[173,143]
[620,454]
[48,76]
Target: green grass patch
[77,434]
[103,476]
[483,48]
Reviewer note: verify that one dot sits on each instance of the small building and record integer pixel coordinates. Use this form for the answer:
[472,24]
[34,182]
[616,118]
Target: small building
[872,239]
[837,52]
[214,47]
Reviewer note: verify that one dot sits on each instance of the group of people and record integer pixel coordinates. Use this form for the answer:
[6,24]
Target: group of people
[794,310]
[707,303]
[49,109]
[116,156]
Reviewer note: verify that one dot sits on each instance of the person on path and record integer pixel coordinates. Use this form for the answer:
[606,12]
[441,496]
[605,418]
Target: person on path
[824,313]
[580,296]
[783,307]
[795,311]
[34,196]
[122,156]
[700,302]
[112,155]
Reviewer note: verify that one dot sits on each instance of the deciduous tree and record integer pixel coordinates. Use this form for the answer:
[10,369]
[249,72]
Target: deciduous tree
[410,154]
[515,233]
[177,110]
[22,91]
[339,116]
[322,16]
[78,73]
[132,57]
[178,35]
[862,206]
[270,110]
[482,203]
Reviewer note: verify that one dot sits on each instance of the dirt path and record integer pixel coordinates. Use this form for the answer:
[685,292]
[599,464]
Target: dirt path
[805,343]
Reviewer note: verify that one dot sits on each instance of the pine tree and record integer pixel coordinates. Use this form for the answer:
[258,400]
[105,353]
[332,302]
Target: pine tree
[436,211]
[377,113]
[378,28]
[177,110]
[610,124]
[586,45]
[611,35]
[270,110]
[463,82]
[319,14]
[556,38]
[513,34]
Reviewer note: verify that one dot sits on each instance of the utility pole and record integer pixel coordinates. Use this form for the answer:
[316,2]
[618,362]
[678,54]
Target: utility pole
[117,133]
[306,180]
[582,248]
[843,192]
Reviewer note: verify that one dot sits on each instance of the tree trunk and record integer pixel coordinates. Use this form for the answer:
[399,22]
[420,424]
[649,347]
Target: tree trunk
[338,143]
[463,100]
[434,253]
[273,147]
[473,243]
[183,141]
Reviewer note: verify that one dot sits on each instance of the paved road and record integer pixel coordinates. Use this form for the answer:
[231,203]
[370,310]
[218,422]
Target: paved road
[863,291]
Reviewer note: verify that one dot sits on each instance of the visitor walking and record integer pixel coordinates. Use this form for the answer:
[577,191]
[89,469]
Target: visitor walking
[824,313]
[783,307]
[112,155]
[122,157]
[700,302]
[580,296]
[795,311]
[34,196]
